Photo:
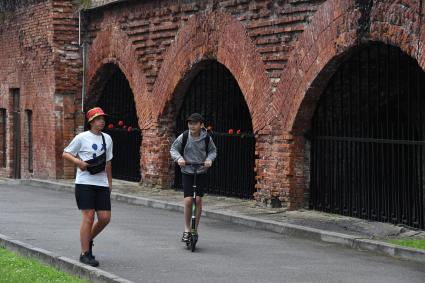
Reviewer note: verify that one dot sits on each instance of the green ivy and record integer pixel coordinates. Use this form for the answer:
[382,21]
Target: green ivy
[83,4]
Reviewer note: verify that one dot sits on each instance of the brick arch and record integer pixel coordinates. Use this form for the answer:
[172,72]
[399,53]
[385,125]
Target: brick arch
[338,27]
[113,47]
[212,36]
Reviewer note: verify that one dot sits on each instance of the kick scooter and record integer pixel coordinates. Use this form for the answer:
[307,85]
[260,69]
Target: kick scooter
[191,244]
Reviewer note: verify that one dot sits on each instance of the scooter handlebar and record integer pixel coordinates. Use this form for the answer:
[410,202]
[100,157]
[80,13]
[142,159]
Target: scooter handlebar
[195,163]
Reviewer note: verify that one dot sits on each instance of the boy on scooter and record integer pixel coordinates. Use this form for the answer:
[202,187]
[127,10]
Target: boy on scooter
[194,146]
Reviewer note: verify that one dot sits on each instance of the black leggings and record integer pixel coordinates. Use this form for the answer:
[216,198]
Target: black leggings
[201,182]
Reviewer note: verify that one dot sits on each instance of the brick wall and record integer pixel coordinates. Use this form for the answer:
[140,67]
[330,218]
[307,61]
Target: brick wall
[165,40]
[68,78]
[39,56]
[25,57]
[337,27]
[281,53]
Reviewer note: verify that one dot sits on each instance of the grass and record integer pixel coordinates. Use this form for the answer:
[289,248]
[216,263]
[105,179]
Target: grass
[17,269]
[417,244]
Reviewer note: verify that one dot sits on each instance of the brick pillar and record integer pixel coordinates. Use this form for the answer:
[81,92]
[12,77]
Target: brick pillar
[280,167]
[271,153]
[156,163]
[68,133]
[298,171]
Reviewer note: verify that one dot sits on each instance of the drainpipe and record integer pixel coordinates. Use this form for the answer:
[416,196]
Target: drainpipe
[83,46]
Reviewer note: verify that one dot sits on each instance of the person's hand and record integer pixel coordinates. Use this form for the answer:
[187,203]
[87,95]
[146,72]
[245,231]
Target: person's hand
[208,163]
[182,162]
[110,188]
[82,165]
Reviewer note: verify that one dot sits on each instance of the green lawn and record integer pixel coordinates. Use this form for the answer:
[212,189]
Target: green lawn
[418,244]
[17,269]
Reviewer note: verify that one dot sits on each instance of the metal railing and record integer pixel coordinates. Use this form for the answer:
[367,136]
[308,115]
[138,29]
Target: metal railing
[368,139]
[215,94]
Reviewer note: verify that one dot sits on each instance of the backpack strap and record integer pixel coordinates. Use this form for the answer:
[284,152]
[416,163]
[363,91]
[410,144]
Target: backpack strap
[184,142]
[207,143]
[104,143]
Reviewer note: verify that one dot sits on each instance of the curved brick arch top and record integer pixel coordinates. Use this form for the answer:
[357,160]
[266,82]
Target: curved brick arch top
[336,28]
[113,47]
[213,36]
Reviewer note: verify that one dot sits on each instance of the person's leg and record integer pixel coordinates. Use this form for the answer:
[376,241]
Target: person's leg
[198,210]
[187,181]
[201,181]
[103,219]
[85,197]
[86,228]
[187,213]
[103,210]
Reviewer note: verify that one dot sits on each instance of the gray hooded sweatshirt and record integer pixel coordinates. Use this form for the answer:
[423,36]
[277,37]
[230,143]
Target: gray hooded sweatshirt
[194,151]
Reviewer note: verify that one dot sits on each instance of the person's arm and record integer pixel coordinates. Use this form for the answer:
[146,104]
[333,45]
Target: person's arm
[109,156]
[109,174]
[212,153]
[71,151]
[175,151]
[76,161]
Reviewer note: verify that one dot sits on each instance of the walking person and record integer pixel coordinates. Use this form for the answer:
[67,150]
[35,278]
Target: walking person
[193,146]
[91,152]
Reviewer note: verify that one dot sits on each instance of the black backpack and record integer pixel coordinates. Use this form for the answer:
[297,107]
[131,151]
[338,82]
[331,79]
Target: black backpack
[186,136]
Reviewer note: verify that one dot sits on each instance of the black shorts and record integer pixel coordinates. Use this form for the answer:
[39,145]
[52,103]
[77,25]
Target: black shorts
[92,197]
[201,183]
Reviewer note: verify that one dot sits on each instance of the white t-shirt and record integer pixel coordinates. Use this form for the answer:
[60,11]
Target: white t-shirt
[87,146]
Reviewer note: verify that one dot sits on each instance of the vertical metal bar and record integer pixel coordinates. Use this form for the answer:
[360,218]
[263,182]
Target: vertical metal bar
[361,126]
[389,156]
[340,145]
[421,195]
[368,134]
[348,145]
[378,160]
[408,192]
[323,191]
[332,153]
[400,180]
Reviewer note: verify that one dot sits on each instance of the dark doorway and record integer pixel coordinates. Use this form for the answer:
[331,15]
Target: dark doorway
[215,94]
[367,139]
[122,124]
[16,96]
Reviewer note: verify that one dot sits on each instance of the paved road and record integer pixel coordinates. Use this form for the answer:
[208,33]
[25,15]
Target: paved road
[142,244]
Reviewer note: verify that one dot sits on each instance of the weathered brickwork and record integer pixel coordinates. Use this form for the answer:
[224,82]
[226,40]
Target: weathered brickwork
[166,41]
[36,57]
[281,53]
[337,27]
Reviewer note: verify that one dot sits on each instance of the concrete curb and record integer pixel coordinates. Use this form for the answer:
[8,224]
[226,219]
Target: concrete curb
[62,263]
[262,224]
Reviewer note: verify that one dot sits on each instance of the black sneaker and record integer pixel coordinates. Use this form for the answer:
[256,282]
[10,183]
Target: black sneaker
[186,237]
[91,249]
[89,260]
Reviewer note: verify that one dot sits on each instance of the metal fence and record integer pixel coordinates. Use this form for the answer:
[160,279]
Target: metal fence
[367,139]
[216,95]
[122,124]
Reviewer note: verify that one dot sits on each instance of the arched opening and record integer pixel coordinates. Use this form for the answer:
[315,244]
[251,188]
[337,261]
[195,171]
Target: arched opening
[367,138]
[215,94]
[117,101]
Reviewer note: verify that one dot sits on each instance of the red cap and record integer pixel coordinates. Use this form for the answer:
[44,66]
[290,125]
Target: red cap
[94,113]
